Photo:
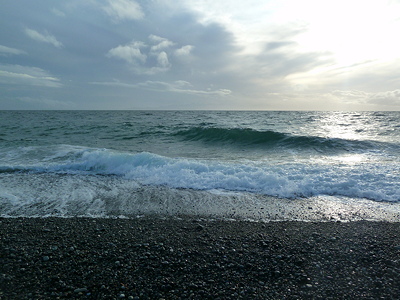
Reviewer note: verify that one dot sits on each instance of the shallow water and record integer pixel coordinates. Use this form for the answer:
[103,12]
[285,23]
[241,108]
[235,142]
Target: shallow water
[259,165]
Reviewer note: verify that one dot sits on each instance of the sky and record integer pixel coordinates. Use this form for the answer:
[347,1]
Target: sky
[200,54]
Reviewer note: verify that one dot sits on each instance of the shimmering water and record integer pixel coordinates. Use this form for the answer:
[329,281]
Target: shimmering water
[260,165]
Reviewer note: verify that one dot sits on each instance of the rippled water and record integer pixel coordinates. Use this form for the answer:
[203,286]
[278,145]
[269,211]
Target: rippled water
[261,165]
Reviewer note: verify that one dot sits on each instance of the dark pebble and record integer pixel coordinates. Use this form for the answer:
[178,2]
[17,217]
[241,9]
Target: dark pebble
[152,258]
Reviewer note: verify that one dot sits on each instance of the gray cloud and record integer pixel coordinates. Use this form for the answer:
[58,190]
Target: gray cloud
[184,51]
[387,98]
[150,57]
[45,103]
[121,10]
[6,51]
[162,60]
[58,12]
[160,43]
[103,54]
[45,37]
[131,53]
[16,74]
[179,86]
[282,55]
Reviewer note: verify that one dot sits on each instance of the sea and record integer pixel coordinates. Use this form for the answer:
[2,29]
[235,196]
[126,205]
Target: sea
[232,165]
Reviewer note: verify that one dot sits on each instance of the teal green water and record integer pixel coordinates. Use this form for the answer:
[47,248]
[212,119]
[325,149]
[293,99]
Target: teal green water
[103,155]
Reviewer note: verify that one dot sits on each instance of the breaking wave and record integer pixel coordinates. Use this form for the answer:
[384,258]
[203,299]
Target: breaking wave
[286,180]
[252,137]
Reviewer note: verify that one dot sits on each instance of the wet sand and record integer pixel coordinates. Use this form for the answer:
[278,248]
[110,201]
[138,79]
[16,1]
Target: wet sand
[155,258]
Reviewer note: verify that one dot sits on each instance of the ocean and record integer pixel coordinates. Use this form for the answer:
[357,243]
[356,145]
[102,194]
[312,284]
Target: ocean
[253,165]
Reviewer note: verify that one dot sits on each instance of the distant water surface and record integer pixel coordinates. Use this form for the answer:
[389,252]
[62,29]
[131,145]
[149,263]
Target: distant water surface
[258,165]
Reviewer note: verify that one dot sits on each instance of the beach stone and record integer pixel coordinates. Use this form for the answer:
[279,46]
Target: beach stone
[204,266]
[199,227]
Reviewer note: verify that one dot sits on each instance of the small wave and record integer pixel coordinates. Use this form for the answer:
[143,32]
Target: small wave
[6,169]
[24,195]
[251,137]
[235,135]
[290,180]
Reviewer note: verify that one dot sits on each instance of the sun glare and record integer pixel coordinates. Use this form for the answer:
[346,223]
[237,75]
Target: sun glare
[352,31]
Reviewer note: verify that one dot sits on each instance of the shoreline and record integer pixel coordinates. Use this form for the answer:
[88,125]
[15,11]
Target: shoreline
[156,258]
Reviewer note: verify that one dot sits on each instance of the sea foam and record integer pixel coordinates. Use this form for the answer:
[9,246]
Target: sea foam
[295,179]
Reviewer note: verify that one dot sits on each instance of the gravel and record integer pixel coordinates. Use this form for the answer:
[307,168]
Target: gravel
[155,258]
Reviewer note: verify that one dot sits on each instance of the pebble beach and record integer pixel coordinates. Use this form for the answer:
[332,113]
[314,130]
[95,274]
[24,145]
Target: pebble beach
[195,258]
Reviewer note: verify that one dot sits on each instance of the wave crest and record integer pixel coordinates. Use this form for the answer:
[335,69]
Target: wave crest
[268,138]
[290,180]
[234,135]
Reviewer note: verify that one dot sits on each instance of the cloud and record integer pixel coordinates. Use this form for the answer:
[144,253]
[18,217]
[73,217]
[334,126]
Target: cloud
[387,98]
[148,58]
[58,12]
[121,10]
[131,53]
[282,56]
[45,38]
[162,60]
[253,53]
[22,75]
[161,43]
[184,51]
[351,95]
[181,86]
[178,86]
[46,103]
[6,51]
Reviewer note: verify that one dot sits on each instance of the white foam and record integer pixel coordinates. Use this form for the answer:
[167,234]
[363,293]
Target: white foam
[61,195]
[291,180]
[372,180]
